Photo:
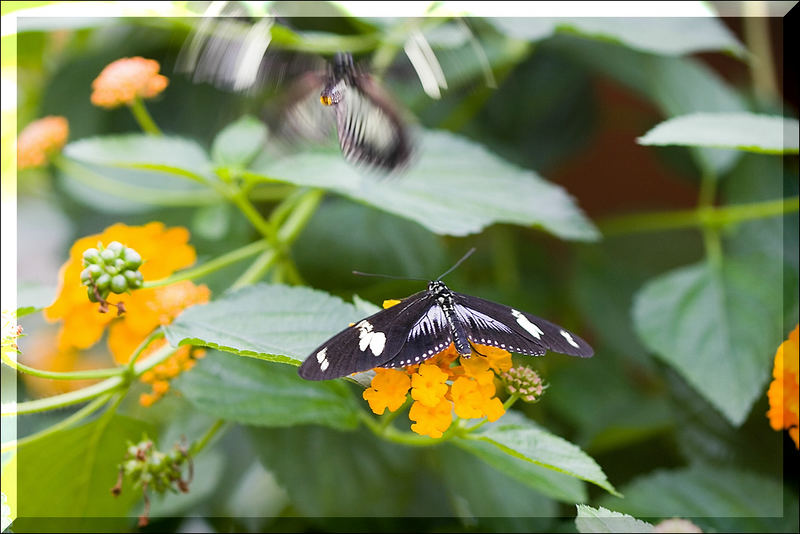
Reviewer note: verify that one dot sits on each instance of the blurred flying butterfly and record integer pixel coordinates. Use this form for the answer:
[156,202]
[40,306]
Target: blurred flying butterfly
[424,324]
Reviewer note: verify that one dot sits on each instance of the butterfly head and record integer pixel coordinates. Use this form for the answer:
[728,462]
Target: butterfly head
[331,94]
[437,287]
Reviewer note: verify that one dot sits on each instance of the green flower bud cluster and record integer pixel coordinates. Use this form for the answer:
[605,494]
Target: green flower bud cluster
[525,382]
[150,468]
[113,269]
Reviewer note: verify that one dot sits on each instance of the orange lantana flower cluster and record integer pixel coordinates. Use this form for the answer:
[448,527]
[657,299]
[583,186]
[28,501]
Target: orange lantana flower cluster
[783,391]
[164,250]
[439,387]
[41,139]
[126,79]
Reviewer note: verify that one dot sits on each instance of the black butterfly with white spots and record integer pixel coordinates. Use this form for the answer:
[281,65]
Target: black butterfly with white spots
[424,324]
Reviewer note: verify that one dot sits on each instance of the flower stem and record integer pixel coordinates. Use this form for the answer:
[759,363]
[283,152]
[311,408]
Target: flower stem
[711,237]
[200,444]
[711,216]
[78,416]
[143,117]
[249,210]
[257,269]
[216,264]
[506,406]
[158,334]
[58,375]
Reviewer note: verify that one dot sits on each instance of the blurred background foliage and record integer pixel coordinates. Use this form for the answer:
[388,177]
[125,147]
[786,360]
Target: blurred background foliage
[568,105]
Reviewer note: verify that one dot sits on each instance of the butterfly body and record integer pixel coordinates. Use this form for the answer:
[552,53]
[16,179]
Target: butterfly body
[424,324]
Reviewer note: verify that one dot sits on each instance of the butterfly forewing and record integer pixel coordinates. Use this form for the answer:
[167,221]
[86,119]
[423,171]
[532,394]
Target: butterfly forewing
[428,336]
[368,343]
[490,323]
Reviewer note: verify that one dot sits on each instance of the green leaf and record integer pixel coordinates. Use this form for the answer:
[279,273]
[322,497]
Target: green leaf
[272,322]
[71,473]
[521,438]
[668,36]
[239,142]
[546,481]
[743,131]
[700,491]
[481,491]
[327,473]
[456,187]
[600,520]
[165,154]
[718,327]
[262,393]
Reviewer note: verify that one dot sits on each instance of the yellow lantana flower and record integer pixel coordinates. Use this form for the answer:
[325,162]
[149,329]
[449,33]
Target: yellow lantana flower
[126,79]
[388,389]
[428,385]
[783,391]
[431,421]
[40,140]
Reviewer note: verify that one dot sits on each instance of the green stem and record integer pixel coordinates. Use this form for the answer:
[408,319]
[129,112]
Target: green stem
[143,117]
[57,375]
[506,406]
[90,392]
[715,216]
[257,269]
[157,197]
[78,416]
[300,216]
[158,334]
[200,444]
[252,214]
[392,434]
[711,237]
[216,264]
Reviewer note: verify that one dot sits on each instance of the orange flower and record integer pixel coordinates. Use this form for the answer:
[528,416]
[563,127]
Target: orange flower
[783,391]
[164,250]
[428,385]
[388,390]
[40,140]
[431,421]
[126,79]
[159,377]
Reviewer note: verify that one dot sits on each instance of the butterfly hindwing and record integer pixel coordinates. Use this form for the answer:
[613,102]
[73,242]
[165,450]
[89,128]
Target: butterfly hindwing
[490,323]
[427,336]
[368,343]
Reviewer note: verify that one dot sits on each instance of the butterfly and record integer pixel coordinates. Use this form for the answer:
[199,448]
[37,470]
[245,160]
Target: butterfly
[424,324]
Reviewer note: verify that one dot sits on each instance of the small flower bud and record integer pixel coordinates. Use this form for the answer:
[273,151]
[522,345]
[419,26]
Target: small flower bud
[116,247]
[108,256]
[525,382]
[103,282]
[132,258]
[119,284]
[91,255]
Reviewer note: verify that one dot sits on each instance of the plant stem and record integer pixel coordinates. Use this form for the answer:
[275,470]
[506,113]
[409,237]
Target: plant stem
[209,267]
[158,334]
[200,444]
[58,375]
[78,416]
[715,216]
[143,117]
[90,392]
[257,269]
[392,434]
[252,214]
[506,406]
[711,237]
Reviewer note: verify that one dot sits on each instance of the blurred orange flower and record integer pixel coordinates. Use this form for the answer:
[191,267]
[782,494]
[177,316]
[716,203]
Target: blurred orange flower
[165,250]
[783,391]
[126,79]
[440,388]
[159,377]
[40,140]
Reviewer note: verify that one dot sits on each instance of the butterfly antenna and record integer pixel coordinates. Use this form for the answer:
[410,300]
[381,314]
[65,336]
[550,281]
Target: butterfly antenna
[459,262]
[359,273]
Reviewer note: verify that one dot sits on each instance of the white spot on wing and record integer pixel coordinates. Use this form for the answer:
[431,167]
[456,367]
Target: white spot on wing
[569,339]
[529,327]
[324,365]
[323,361]
[367,338]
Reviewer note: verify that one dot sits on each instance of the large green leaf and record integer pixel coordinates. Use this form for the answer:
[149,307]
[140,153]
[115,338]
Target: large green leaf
[455,187]
[719,327]
[272,322]
[163,154]
[327,473]
[600,520]
[239,142]
[521,438]
[700,491]
[265,393]
[495,501]
[668,36]
[743,131]
[546,481]
[71,472]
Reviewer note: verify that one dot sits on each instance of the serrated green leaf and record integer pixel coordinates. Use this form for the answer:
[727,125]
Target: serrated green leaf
[700,491]
[456,187]
[266,394]
[718,328]
[601,520]
[743,131]
[239,142]
[668,36]
[163,154]
[70,473]
[272,322]
[522,439]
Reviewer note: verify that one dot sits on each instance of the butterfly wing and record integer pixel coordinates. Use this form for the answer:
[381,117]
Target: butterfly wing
[490,323]
[369,343]
[370,128]
[426,337]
